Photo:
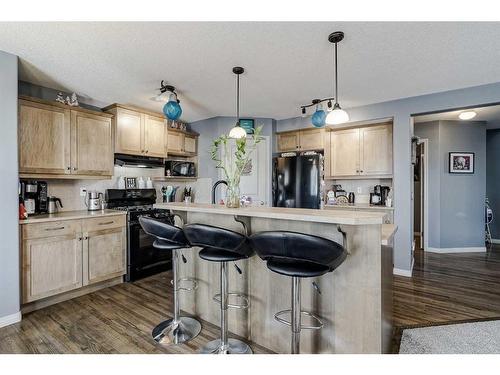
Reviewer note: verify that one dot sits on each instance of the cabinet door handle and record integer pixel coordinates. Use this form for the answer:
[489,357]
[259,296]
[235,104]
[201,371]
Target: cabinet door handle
[85,238]
[106,223]
[68,168]
[147,151]
[75,168]
[142,151]
[57,228]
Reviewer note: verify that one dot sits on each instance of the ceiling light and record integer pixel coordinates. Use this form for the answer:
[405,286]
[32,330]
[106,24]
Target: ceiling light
[467,115]
[338,115]
[318,117]
[237,131]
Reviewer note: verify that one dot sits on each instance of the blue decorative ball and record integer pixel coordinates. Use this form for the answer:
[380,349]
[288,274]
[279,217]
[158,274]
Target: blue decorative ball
[318,118]
[172,110]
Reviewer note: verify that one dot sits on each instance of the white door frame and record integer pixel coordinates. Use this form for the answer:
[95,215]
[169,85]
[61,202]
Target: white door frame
[424,190]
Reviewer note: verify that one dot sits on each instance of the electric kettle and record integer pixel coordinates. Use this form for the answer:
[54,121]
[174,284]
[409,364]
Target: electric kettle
[93,200]
[53,204]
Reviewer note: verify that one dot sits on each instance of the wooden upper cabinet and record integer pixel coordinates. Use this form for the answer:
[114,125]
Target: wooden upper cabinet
[344,155]
[154,136]
[128,132]
[301,140]
[288,141]
[92,144]
[59,141]
[311,139]
[44,138]
[175,142]
[190,144]
[376,150]
[365,151]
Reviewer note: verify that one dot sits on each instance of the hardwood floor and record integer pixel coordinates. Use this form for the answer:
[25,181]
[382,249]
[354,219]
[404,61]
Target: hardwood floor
[113,320]
[444,288]
[449,287]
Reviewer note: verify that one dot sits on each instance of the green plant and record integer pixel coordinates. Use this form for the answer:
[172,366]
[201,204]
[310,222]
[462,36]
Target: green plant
[233,164]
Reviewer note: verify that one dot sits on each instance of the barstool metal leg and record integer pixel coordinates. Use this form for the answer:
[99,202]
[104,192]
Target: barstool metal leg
[295,323]
[180,329]
[225,345]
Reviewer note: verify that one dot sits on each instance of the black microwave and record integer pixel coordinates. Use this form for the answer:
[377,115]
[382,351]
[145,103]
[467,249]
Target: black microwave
[180,168]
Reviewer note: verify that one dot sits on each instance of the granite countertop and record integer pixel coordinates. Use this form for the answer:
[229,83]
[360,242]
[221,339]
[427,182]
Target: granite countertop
[388,232]
[358,206]
[70,215]
[346,216]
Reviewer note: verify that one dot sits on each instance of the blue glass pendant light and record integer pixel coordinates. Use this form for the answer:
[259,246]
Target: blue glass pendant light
[172,109]
[318,118]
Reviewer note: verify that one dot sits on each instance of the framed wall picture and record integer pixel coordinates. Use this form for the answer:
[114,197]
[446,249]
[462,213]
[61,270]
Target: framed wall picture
[130,182]
[461,162]
[248,125]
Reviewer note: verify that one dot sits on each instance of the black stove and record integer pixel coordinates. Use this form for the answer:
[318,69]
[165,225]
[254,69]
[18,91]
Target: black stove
[142,258]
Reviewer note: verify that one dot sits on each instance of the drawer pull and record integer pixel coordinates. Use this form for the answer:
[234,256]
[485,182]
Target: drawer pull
[58,228]
[107,223]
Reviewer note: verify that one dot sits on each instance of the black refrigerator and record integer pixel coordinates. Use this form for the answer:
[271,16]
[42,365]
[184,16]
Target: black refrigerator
[296,181]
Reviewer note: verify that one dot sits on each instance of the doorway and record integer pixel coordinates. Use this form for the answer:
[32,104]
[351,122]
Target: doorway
[420,188]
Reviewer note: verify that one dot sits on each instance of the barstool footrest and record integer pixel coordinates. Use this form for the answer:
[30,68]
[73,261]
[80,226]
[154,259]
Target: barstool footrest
[186,280]
[245,301]
[315,318]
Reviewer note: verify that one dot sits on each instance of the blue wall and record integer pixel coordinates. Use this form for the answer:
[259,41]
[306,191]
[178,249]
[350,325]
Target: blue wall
[402,110]
[9,243]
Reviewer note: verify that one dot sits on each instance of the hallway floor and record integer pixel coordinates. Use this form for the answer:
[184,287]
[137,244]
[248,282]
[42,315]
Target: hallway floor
[449,287]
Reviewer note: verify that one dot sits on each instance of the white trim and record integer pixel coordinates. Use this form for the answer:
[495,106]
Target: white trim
[495,241]
[446,250]
[400,272]
[425,218]
[10,319]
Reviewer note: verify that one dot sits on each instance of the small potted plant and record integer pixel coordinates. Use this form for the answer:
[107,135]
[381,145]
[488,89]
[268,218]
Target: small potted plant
[232,156]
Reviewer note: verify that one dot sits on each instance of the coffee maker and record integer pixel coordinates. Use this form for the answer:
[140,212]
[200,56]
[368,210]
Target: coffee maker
[379,195]
[34,195]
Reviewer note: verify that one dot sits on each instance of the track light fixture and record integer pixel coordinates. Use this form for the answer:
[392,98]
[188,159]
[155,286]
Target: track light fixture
[319,115]
[172,108]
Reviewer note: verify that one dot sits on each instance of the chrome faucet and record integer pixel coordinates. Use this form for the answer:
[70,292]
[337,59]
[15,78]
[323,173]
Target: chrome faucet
[215,188]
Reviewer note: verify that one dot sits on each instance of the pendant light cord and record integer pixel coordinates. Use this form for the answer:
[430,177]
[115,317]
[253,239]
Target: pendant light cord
[238,99]
[336,76]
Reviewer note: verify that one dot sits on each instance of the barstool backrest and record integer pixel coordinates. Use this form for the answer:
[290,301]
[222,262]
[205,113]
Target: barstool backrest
[217,238]
[164,232]
[298,246]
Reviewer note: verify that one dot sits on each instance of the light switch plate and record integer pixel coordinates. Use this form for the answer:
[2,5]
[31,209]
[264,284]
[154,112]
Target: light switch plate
[359,190]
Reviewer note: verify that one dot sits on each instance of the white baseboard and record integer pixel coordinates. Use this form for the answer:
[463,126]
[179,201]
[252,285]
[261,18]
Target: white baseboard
[10,319]
[447,250]
[400,272]
[495,241]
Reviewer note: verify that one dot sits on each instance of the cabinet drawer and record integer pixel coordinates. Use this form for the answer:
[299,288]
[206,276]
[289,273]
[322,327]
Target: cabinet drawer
[51,229]
[100,223]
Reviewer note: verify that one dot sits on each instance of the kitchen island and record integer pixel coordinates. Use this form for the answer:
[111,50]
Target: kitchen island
[355,303]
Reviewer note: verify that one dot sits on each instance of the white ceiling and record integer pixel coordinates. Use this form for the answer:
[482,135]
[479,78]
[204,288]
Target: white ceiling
[287,64]
[490,114]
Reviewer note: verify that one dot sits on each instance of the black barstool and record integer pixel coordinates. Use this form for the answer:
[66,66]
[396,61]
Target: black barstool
[171,238]
[222,246]
[297,255]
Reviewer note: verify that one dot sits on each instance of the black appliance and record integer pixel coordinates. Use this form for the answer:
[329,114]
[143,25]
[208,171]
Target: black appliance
[142,258]
[34,195]
[379,195]
[296,181]
[124,160]
[180,168]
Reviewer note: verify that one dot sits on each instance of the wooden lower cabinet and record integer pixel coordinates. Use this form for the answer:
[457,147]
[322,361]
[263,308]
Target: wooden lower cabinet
[62,256]
[106,258]
[51,266]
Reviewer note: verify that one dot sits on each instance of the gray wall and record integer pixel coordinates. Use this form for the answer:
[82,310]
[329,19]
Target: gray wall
[462,196]
[9,239]
[493,178]
[401,111]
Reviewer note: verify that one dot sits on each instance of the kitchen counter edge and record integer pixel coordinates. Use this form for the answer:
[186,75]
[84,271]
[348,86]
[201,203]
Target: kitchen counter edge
[70,215]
